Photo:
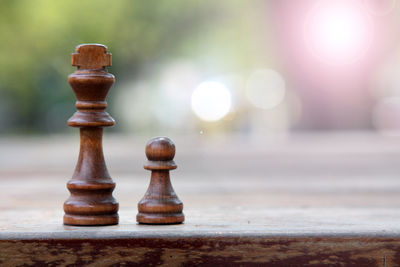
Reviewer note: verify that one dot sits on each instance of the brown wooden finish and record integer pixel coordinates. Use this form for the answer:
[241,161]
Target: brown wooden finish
[91,201]
[204,251]
[160,204]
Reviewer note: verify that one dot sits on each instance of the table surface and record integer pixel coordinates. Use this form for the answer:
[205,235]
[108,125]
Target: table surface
[321,184]
[314,199]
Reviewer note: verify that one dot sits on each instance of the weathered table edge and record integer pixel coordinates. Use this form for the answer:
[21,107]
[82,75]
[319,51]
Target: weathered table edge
[203,249]
[80,235]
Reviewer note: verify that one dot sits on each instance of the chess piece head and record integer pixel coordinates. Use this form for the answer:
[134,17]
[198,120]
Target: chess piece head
[91,83]
[160,152]
[91,56]
[160,204]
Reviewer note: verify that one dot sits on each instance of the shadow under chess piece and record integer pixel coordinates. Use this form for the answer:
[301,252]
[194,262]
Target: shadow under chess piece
[91,201]
[160,204]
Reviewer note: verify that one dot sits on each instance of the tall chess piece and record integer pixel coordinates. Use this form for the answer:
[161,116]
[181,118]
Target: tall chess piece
[160,204]
[91,201]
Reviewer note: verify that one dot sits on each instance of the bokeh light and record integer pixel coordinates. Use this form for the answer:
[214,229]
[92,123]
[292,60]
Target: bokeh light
[305,65]
[265,88]
[177,82]
[211,101]
[338,32]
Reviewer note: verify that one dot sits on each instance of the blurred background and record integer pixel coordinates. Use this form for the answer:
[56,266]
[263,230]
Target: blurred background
[207,67]
[270,103]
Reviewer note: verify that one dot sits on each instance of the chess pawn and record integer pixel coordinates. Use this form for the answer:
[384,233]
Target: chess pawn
[160,204]
[91,201]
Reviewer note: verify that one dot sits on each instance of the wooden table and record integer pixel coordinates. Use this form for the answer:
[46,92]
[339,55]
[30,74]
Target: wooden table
[304,199]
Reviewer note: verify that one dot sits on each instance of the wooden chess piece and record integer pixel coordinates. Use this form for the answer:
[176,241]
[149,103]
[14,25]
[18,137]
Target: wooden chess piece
[160,204]
[91,201]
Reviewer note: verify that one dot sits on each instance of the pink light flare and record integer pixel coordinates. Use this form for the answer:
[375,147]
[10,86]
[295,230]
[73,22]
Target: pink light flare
[329,50]
[324,38]
[337,32]
[379,7]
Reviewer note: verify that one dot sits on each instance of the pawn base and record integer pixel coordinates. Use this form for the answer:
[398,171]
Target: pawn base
[92,220]
[160,218]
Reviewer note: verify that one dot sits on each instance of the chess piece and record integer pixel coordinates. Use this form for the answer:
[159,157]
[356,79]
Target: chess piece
[91,201]
[160,204]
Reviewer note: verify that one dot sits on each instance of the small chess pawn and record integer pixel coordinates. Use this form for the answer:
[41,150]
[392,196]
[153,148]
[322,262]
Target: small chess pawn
[160,204]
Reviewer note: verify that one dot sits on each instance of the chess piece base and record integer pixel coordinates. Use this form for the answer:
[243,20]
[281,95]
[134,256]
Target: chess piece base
[80,220]
[160,218]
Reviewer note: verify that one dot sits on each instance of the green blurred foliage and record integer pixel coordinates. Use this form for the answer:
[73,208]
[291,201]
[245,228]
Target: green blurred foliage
[38,37]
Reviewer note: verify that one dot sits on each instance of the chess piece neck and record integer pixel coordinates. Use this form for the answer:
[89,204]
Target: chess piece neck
[91,148]
[160,184]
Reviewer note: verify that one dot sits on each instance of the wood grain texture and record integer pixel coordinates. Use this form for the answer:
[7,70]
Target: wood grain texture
[204,251]
[91,201]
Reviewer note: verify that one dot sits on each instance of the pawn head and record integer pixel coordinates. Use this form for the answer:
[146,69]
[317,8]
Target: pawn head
[160,149]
